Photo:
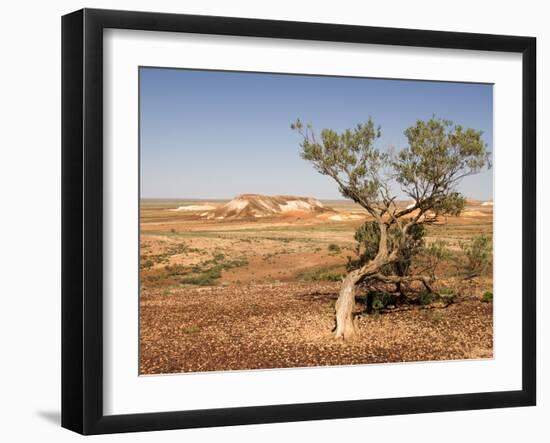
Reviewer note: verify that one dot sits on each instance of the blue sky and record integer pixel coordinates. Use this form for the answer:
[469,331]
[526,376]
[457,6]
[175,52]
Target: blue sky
[215,134]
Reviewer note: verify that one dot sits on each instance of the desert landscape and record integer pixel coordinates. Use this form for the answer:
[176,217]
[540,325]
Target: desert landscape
[292,220]
[252,283]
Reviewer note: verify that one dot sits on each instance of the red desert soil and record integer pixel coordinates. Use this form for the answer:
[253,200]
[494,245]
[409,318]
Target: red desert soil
[288,325]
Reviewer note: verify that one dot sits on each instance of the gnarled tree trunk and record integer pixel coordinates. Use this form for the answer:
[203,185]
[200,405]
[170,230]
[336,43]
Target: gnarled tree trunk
[345,326]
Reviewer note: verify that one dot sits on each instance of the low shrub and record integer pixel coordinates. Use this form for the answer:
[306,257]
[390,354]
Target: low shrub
[192,329]
[487,297]
[218,257]
[478,254]
[147,264]
[205,278]
[447,295]
[425,298]
[378,300]
[334,276]
[205,273]
[175,270]
[323,274]
[435,315]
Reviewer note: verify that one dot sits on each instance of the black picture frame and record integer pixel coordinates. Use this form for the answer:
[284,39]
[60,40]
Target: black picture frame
[82,218]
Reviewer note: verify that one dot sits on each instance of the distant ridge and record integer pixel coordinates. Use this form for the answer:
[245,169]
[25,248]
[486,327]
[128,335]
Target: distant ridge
[253,206]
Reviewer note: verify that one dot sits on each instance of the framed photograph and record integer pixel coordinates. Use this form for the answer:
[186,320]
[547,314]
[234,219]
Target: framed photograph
[268,221]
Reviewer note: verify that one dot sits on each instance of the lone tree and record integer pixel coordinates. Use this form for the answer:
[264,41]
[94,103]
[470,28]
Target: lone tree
[439,154]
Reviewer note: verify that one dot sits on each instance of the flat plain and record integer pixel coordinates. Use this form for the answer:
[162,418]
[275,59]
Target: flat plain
[219,291]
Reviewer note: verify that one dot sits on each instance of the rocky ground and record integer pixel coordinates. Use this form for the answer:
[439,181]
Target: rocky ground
[281,325]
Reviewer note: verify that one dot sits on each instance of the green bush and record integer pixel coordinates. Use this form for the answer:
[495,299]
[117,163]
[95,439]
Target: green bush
[378,300]
[333,248]
[425,298]
[367,237]
[487,297]
[432,255]
[218,257]
[206,273]
[447,295]
[205,278]
[147,264]
[321,275]
[174,270]
[435,315]
[192,329]
[478,254]
[331,276]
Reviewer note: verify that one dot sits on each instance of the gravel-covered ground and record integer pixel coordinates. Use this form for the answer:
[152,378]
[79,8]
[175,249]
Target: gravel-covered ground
[285,325]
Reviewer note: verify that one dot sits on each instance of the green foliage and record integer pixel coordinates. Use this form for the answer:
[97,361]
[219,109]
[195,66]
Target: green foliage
[438,155]
[378,300]
[207,277]
[367,237]
[487,297]
[175,270]
[147,264]
[377,304]
[447,295]
[412,245]
[432,255]
[218,257]
[330,276]
[194,329]
[149,260]
[425,298]
[434,315]
[452,204]
[349,156]
[478,254]
[444,295]
[323,274]
[206,273]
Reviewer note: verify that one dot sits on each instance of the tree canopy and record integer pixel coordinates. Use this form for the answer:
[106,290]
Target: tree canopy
[439,154]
